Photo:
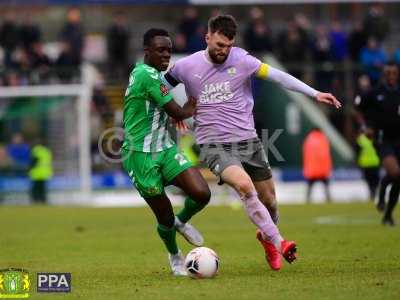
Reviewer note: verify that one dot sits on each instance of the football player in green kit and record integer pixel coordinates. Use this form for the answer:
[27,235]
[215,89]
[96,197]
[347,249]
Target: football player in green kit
[151,158]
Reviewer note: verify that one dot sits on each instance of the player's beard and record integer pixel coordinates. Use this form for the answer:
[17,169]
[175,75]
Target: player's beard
[217,59]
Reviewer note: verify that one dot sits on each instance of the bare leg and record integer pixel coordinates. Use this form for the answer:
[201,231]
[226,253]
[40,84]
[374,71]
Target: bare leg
[194,185]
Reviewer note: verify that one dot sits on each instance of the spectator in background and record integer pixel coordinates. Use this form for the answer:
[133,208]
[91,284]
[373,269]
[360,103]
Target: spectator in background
[363,86]
[376,24]
[257,37]
[372,59]
[196,42]
[338,40]
[357,41]
[67,65]
[192,30]
[190,22]
[22,65]
[339,51]
[6,166]
[216,12]
[72,34]
[30,33]
[39,61]
[118,47]
[292,46]
[322,56]
[396,57]
[179,45]
[317,161]
[11,79]
[9,38]
[40,172]
[6,163]
[19,151]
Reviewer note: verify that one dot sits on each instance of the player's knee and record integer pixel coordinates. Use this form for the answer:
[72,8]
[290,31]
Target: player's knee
[270,196]
[203,196]
[273,206]
[270,203]
[244,186]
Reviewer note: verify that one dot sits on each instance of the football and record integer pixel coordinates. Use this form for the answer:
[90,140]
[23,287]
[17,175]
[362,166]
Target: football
[202,262]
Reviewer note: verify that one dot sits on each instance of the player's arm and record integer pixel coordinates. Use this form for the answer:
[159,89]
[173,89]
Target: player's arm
[174,110]
[169,79]
[159,93]
[291,83]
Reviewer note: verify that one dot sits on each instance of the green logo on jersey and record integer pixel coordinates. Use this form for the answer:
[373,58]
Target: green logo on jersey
[232,71]
[14,283]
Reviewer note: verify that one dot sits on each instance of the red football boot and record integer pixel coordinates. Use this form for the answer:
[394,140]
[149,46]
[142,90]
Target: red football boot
[288,249]
[272,255]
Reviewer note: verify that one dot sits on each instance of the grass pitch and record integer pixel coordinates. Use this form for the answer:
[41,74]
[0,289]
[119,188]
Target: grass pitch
[114,253]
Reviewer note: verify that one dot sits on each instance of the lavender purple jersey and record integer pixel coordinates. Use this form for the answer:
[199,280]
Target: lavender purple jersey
[223,92]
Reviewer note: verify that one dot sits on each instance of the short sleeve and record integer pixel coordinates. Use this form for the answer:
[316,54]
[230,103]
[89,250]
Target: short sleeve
[156,89]
[252,63]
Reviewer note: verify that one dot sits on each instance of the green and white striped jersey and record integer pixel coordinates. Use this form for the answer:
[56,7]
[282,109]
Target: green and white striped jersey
[145,121]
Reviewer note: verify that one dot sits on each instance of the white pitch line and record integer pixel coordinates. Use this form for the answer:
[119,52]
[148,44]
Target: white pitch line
[343,220]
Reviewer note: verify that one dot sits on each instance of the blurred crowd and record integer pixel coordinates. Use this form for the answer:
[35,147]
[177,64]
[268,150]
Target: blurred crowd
[300,43]
[25,60]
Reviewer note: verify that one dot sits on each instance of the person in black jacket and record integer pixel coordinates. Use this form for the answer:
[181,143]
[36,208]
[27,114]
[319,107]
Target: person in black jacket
[379,117]
[118,47]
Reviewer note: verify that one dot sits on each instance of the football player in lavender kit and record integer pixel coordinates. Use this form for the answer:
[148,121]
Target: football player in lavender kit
[219,77]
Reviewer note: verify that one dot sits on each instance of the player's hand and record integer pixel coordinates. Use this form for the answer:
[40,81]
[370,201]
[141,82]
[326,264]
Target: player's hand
[180,126]
[190,106]
[329,99]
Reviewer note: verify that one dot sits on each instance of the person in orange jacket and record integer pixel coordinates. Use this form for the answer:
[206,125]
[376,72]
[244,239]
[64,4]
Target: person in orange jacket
[317,161]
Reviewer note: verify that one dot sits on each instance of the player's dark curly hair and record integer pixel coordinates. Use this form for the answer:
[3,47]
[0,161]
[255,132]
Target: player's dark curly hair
[151,33]
[224,24]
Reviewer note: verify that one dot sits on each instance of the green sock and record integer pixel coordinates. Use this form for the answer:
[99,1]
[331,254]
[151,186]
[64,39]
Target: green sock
[189,209]
[168,235]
